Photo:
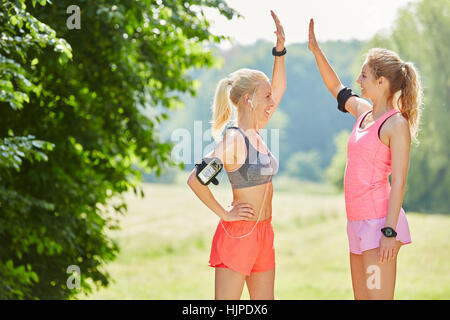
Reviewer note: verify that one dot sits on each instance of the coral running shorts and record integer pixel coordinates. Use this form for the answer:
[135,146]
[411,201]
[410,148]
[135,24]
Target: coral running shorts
[252,253]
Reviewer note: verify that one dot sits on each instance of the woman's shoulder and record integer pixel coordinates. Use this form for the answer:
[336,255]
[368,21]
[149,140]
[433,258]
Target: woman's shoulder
[398,122]
[235,148]
[233,135]
[396,126]
[233,138]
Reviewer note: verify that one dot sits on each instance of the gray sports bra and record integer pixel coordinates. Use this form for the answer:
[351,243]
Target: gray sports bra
[258,168]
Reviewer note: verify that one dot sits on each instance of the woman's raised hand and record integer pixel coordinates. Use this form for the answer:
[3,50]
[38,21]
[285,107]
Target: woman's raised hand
[312,37]
[280,32]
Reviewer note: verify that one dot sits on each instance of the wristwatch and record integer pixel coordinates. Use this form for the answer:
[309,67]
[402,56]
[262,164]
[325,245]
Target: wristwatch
[279,53]
[389,232]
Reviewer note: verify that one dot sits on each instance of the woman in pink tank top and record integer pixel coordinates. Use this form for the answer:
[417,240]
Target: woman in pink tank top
[378,147]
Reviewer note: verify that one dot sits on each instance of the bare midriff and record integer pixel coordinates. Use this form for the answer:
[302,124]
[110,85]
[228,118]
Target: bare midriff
[255,197]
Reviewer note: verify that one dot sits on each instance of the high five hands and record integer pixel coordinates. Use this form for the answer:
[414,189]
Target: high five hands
[280,32]
[312,43]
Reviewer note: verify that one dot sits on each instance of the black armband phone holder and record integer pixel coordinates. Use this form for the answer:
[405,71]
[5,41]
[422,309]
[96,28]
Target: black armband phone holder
[208,169]
[343,96]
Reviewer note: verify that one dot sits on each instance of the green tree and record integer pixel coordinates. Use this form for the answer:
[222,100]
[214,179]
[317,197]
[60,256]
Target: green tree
[76,106]
[21,37]
[336,170]
[305,166]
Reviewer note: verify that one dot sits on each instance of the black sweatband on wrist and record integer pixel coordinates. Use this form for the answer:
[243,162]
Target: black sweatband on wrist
[279,53]
[343,96]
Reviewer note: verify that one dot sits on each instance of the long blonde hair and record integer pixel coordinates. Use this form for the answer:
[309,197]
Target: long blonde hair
[404,80]
[243,81]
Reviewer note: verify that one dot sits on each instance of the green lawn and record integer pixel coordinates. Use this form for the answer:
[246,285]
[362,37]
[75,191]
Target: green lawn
[166,238]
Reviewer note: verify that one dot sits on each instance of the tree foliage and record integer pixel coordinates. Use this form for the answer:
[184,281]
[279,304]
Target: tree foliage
[73,127]
[336,170]
[305,166]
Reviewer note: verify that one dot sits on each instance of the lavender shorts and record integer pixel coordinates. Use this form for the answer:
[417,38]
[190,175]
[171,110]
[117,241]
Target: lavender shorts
[366,235]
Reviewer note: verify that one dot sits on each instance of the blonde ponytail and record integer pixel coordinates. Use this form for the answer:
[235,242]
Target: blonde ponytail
[410,99]
[221,109]
[243,81]
[404,83]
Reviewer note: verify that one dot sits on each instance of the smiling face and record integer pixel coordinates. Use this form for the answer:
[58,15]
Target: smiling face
[371,87]
[262,101]
[368,83]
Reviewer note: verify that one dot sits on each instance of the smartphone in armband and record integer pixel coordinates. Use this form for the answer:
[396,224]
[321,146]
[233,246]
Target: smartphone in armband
[208,169]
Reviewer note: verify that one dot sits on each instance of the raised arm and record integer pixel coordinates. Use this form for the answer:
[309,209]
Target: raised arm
[279,71]
[354,105]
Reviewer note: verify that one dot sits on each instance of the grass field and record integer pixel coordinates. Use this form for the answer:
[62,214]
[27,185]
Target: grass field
[166,237]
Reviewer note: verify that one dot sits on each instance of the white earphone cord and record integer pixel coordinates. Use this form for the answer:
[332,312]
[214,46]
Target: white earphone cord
[265,190]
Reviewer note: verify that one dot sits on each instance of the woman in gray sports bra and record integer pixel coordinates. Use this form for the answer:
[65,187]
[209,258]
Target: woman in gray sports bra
[258,168]
[242,249]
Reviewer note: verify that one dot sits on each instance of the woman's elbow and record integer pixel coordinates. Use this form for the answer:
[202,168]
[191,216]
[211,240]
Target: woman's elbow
[191,180]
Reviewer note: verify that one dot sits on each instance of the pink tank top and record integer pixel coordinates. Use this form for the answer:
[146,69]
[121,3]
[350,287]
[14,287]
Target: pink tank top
[366,179]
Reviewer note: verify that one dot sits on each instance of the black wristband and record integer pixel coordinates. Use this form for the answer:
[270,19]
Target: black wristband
[279,53]
[343,96]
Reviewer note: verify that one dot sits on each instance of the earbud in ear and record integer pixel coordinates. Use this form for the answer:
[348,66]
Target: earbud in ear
[249,100]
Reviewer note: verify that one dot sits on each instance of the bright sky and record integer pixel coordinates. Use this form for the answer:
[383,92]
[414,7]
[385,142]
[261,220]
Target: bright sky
[334,19]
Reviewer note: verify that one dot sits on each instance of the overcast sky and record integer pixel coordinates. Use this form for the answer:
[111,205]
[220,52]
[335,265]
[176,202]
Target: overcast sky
[334,19]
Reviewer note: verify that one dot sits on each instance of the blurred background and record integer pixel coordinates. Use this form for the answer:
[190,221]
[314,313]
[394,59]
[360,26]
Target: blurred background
[92,94]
